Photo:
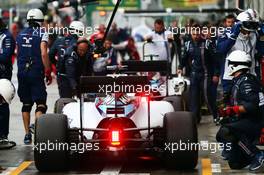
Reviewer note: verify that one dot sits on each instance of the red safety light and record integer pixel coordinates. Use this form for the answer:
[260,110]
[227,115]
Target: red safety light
[115,138]
[146,158]
[145,98]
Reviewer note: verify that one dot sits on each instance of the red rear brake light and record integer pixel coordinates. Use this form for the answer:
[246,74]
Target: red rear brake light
[115,138]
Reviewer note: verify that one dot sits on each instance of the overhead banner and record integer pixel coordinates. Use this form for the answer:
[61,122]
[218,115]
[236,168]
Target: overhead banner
[176,4]
[110,4]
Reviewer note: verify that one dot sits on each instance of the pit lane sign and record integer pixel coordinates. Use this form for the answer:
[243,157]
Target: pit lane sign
[127,4]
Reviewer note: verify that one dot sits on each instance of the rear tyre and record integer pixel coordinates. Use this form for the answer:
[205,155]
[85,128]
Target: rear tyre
[180,128]
[176,102]
[186,98]
[60,103]
[51,128]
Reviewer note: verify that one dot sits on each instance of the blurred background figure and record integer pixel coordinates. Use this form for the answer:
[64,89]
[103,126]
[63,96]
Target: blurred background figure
[99,34]
[118,35]
[229,20]
[129,47]
[160,38]
[107,58]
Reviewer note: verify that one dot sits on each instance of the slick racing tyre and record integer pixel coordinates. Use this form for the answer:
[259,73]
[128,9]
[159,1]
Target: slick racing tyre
[60,103]
[51,129]
[180,132]
[186,98]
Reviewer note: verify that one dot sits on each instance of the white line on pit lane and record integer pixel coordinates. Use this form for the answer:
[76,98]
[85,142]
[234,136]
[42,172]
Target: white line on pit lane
[111,170]
[115,170]
[216,168]
[7,171]
[109,173]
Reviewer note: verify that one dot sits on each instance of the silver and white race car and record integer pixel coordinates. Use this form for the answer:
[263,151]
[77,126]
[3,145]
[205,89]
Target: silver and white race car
[127,119]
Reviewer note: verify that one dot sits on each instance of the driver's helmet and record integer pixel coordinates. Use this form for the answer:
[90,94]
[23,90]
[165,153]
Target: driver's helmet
[120,104]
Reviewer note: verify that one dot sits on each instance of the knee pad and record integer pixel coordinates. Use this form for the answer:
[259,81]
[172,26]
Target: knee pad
[27,107]
[224,134]
[41,107]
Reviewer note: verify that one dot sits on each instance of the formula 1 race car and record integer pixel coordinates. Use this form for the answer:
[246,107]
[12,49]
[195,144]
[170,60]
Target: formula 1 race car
[125,119]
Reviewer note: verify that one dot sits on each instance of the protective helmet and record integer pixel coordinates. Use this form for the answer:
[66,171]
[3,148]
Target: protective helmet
[7,90]
[77,27]
[179,84]
[249,19]
[238,60]
[35,15]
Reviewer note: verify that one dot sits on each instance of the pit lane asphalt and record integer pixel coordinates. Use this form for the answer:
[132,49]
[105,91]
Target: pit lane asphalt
[20,159]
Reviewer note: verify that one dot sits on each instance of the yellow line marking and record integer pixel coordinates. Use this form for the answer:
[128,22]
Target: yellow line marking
[21,168]
[206,167]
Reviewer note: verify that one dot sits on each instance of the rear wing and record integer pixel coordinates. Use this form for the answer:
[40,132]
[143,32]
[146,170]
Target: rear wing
[141,66]
[118,84]
[146,66]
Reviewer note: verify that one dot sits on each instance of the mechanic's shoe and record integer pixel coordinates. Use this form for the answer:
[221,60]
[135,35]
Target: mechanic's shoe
[198,119]
[6,144]
[3,140]
[225,154]
[32,128]
[217,121]
[28,139]
[257,164]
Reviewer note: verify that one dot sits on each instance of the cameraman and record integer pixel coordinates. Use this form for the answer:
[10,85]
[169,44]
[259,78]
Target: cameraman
[242,121]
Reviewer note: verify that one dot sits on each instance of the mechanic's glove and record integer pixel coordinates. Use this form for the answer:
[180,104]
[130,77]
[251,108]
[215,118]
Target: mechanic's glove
[149,40]
[76,92]
[261,29]
[229,111]
[235,30]
[48,76]
[261,138]
[222,112]
[170,40]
